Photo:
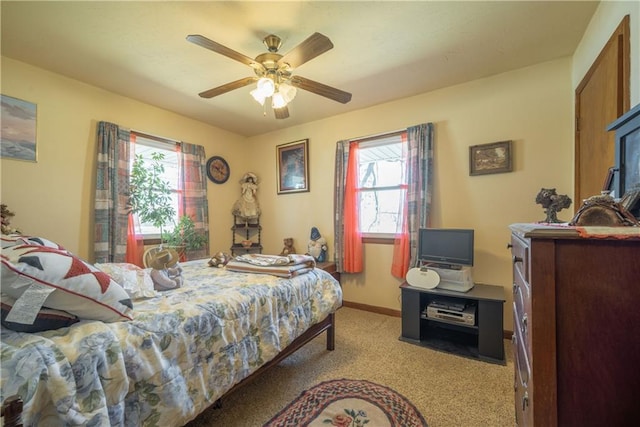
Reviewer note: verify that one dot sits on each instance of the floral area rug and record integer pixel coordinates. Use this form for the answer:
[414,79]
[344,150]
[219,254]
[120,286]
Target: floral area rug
[349,403]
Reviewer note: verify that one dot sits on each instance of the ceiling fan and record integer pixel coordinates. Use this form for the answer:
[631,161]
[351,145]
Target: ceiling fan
[273,72]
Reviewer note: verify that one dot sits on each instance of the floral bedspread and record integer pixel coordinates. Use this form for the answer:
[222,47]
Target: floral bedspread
[183,350]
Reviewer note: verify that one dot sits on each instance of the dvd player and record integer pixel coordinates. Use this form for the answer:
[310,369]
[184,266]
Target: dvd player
[467,316]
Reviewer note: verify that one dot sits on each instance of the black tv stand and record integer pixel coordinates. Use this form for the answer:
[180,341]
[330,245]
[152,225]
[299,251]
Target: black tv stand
[484,340]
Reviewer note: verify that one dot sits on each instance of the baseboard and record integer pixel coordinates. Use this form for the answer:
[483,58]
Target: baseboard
[396,313]
[372,308]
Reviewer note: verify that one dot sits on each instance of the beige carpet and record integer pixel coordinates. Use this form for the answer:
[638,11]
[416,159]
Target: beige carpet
[448,390]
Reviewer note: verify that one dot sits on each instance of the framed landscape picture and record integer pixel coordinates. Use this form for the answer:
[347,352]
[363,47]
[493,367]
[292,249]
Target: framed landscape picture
[490,158]
[18,135]
[292,164]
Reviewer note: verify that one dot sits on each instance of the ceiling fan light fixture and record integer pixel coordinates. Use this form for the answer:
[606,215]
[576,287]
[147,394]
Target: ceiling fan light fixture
[258,96]
[288,92]
[278,101]
[266,86]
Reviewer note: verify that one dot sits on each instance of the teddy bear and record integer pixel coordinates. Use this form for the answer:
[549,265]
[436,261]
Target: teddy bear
[288,247]
[166,273]
[167,278]
[219,260]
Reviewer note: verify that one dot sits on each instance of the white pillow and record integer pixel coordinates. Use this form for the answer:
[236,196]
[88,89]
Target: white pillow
[69,283]
[21,239]
[135,280]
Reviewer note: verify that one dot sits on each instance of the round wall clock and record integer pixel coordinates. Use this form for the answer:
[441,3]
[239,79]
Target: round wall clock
[218,169]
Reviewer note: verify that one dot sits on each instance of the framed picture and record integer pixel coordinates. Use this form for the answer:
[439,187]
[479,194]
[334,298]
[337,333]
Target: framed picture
[292,164]
[490,158]
[18,120]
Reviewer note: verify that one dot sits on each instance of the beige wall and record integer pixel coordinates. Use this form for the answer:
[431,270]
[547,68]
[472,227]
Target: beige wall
[54,197]
[531,106]
[605,20]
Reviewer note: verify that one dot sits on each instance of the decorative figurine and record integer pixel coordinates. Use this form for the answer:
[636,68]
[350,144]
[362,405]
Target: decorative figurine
[317,246]
[6,220]
[288,247]
[553,203]
[603,210]
[220,259]
[247,206]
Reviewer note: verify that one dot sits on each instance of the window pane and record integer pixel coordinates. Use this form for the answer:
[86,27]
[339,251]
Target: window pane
[381,165]
[171,175]
[379,211]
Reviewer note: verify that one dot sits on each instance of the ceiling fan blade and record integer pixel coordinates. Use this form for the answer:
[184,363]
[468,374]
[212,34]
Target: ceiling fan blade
[313,46]
[321,89]
[281,113]
[227,87]
[222,50]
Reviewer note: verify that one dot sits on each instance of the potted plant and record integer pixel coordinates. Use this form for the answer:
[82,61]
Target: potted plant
[184,236]
[150,194]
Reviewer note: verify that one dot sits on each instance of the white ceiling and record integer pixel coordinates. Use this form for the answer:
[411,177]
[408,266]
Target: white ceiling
[383,50]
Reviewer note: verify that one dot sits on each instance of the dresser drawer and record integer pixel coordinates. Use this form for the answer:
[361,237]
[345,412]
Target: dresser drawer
[522,310]
[523,396]
[521,360]
[520,257]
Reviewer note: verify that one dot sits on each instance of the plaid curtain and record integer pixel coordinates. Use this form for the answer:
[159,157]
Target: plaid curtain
[112,193]
[342,160]
[193,193]
[420,180]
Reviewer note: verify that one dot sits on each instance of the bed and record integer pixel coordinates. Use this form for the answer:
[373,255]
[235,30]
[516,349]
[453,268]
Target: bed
[183,350]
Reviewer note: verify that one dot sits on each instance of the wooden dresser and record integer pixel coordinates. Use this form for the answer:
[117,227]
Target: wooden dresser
[576,340]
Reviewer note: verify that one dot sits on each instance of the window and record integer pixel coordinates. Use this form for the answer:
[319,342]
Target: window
[382,184]
[144,146]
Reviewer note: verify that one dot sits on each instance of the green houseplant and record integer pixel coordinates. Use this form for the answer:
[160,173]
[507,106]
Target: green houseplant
[184,235]
[150,195]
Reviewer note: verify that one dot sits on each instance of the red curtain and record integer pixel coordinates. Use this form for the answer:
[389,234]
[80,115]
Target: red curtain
[352,236]
[401,250]
[135,242]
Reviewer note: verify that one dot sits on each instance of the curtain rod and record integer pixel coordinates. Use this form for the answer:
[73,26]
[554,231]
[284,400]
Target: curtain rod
[364,138]
[156,138]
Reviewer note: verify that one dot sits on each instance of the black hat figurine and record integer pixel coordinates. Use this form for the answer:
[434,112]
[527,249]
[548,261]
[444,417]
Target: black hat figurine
[317,246]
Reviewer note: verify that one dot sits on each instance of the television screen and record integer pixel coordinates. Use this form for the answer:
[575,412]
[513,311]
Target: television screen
[446,246]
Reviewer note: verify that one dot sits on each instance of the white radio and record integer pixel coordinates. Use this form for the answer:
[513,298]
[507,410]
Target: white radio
[442,278]
[425,278]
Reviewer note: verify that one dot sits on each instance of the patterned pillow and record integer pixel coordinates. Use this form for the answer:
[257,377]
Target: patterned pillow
[55,278]
[136,281]
[47,318]
[20,239]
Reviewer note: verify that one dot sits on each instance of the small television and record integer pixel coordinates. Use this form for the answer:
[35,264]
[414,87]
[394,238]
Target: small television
[451,247]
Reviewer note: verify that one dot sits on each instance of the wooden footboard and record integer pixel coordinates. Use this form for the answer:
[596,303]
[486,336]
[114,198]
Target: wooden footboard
[12,412]
[12,406]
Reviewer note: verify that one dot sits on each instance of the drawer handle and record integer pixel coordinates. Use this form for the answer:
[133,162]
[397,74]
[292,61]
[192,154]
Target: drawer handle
[525,400]
[509,245]
[524,323]
[517,259]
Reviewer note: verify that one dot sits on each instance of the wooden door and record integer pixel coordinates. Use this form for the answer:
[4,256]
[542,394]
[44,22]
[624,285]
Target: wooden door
[601,97]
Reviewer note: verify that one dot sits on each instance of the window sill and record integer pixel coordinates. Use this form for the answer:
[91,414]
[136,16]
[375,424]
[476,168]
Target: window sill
[379,240]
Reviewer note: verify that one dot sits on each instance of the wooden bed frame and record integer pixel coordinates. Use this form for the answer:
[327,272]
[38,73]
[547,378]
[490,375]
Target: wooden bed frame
[12,406]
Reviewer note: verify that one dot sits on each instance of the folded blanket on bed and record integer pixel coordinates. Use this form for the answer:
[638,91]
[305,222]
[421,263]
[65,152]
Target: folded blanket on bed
[281,266]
